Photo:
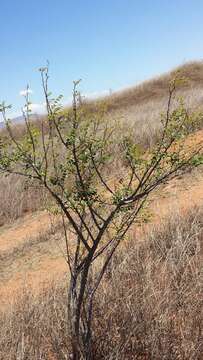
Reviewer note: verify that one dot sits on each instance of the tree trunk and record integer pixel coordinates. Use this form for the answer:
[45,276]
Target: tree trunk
[79,325]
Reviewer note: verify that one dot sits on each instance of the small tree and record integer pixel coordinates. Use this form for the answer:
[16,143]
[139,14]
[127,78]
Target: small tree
[69,152]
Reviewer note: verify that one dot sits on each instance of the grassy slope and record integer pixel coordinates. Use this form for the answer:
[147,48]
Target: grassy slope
[139,107]
[149,303]
[157,88]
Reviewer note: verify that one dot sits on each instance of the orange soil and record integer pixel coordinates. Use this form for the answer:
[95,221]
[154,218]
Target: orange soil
[47,271]
[23,229]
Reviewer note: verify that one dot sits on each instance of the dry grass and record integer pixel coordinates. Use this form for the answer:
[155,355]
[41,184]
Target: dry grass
[149,305]
[137,110]
[144,120]
[17,198]
[157,88]
[155,311]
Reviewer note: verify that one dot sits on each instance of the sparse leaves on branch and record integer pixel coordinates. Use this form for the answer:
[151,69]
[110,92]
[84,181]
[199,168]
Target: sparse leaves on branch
[69,152]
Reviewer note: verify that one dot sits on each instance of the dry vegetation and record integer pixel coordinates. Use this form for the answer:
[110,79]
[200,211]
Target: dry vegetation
[137,109]
[148,307]
[18,198]
[157,88]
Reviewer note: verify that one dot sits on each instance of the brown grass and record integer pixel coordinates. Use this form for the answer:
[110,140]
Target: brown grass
[157,87]
[136,110]
[149,305]
[17,198]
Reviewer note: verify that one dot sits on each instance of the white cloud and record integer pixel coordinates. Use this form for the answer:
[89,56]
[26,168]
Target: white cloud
[25,92]
[37,108]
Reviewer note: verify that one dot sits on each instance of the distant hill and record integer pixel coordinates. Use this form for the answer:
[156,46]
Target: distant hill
[18,120]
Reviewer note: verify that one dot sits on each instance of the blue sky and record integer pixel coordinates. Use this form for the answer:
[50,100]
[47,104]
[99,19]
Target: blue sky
[109,44]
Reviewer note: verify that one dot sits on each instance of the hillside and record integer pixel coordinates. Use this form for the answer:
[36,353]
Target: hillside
[139,108]
[31,241]
[157,88]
